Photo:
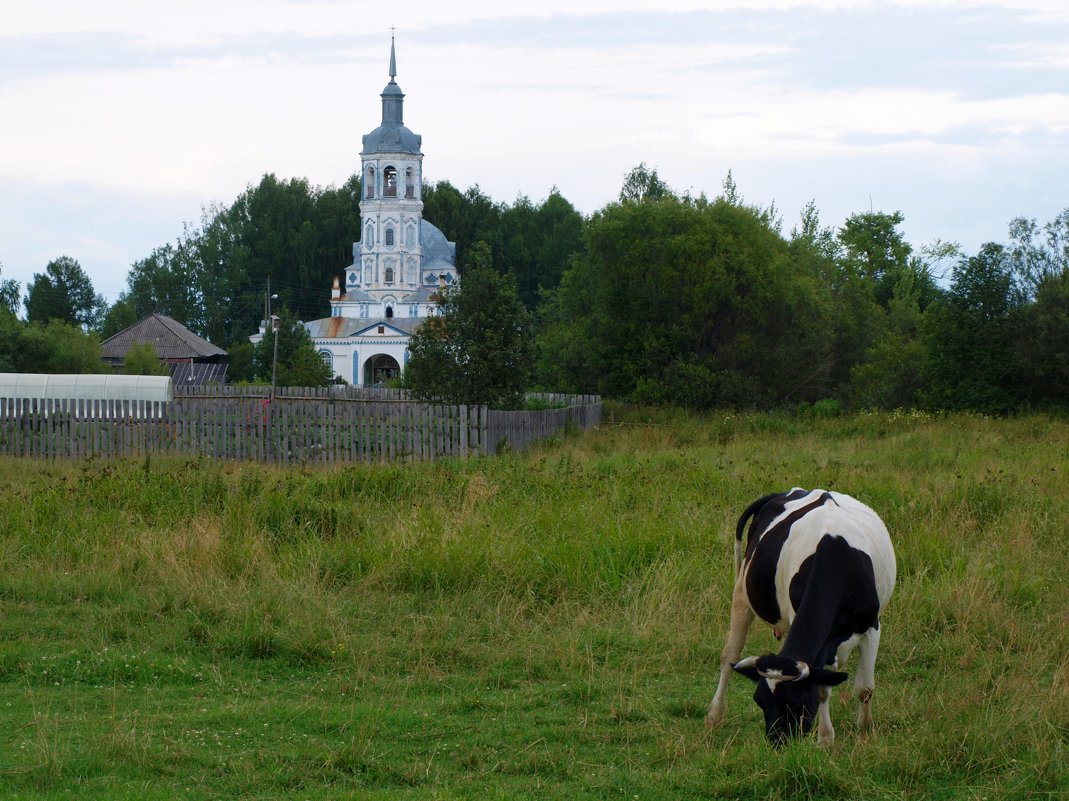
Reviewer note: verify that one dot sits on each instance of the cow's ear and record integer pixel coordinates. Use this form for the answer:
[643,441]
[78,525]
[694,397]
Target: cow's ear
[827,678]
[748,668]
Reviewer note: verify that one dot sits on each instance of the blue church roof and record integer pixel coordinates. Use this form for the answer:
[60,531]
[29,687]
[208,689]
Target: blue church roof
[438,252]
[391,138]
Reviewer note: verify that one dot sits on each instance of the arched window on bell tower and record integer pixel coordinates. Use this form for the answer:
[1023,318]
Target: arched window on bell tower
[389,182]
[410,183]
[369,183]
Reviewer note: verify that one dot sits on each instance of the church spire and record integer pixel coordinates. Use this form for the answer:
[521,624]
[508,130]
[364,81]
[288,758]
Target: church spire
[392,96]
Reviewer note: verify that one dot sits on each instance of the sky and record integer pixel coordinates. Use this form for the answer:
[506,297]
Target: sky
[121,121]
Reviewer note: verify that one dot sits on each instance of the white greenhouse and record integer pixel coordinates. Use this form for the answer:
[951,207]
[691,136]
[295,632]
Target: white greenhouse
[141,389]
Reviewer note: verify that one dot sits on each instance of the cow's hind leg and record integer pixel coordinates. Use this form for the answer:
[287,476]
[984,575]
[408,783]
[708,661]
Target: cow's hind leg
[742,617]
[865,681]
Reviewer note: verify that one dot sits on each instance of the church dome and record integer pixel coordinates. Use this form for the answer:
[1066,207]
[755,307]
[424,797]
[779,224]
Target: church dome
[391,138]
[438,252]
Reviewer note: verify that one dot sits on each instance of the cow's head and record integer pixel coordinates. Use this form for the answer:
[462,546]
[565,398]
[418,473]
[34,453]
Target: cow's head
[787,692]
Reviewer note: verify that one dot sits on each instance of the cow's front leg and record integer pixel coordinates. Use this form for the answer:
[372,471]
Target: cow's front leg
[865,681]
[825,731]
[742,617]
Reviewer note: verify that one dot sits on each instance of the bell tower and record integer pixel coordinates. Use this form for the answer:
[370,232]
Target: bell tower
[388,259]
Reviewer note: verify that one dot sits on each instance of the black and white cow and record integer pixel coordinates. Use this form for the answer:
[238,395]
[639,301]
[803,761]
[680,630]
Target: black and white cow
[819,568]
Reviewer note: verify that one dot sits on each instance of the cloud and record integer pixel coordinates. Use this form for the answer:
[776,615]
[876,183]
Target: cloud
[31,57]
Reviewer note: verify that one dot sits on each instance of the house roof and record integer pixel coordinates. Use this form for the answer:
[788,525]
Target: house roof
[171,339]
[345,327]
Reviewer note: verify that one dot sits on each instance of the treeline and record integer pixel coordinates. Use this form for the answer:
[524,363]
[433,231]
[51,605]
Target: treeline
[660,297]
[706,303]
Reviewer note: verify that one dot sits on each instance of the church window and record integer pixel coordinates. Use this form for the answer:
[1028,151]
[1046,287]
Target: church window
[327,358]
[389,178]
[369,182]
[389,237]
[410,183]
[389,275]
[389,312]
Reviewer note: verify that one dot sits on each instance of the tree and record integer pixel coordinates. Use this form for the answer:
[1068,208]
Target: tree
[64,292]
[690,302]
[1041,347]
[284,232]
[119,317]
[465,218]
[299,364]
[876,250]
[642,185]
[11,329]
[241,357]
[57,347]
[537,243]
[968,337]
[480,349]
[142,359]
[9,294]
[1038,254]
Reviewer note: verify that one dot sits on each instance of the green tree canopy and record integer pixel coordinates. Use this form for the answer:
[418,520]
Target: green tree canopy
[9,294]
[968,337]
[213,278]
[64,292]
[299,364]
[142,359]
[689,302]
[480,349]
[56,347]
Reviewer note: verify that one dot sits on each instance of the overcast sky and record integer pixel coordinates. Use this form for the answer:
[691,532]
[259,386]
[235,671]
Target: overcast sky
[120,120]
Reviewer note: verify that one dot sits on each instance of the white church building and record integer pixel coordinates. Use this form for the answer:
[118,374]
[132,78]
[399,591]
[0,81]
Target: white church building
[399,264]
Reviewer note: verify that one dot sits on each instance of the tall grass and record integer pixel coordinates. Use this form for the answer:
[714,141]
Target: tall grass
[536,625]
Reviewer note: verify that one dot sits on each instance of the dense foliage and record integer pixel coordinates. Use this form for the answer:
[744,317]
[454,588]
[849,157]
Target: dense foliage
[659,297]
[142,359]
[55,347]
[685,301]
[480,348]
[64,292]
[295,362]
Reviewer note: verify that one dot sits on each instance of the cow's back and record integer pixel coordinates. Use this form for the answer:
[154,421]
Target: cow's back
[789,532]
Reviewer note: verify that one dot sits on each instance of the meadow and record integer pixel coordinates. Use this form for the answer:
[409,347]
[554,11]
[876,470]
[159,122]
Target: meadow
[544,625]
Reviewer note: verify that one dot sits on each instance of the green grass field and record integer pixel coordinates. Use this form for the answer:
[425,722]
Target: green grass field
[541,626]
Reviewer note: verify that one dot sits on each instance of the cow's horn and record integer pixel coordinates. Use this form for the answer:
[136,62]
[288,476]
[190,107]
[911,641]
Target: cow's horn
[743,664]
[803,670]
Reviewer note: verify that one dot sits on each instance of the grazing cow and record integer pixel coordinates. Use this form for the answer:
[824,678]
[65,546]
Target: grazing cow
[819,568]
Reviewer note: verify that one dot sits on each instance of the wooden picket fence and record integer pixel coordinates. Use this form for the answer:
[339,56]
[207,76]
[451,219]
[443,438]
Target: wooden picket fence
[298,426]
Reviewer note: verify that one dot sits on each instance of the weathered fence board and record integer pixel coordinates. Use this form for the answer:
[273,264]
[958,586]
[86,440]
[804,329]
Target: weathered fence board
[322,425]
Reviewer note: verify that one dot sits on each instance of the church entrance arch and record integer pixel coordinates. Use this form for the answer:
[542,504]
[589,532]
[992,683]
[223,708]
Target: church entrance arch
[380,368]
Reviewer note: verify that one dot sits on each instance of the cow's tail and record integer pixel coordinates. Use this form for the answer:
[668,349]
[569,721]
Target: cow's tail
[740,527]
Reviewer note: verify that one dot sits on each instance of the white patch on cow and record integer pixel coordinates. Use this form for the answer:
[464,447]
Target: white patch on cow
[846,518]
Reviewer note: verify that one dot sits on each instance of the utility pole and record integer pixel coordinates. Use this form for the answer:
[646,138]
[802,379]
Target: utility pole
[273,322]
